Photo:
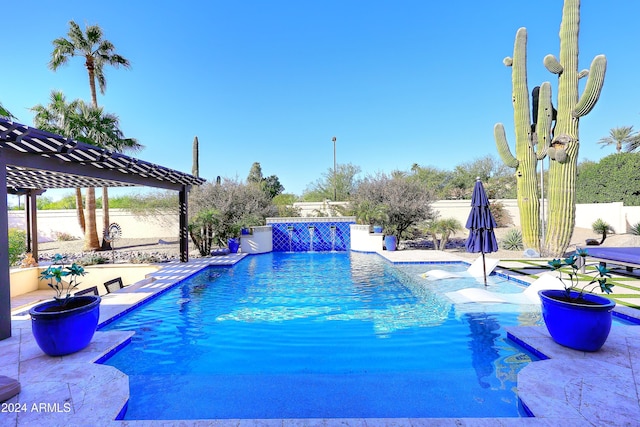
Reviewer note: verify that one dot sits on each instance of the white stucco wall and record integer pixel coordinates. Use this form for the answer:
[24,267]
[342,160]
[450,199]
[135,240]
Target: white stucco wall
[51,222]
[259,242]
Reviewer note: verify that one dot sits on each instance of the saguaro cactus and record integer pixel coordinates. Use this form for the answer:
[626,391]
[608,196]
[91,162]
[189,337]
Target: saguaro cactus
[195,166]
[532,141]
[565,144]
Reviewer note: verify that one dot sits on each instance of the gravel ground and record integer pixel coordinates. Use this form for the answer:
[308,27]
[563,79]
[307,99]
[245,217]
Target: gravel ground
[164,249]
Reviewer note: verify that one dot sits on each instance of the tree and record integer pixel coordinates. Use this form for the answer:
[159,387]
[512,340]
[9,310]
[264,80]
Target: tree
[284,203]
[271,186]
[97,53]
[404,201]
[90,125]
[255,174]
[219,211]
[433,178]
[618,136]
[615,178]
[322,189]
[6,113]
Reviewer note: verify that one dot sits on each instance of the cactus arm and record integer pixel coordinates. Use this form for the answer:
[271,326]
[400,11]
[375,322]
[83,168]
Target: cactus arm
[552,64]
[545,120]
[582,74]
[503,146]
[593,88]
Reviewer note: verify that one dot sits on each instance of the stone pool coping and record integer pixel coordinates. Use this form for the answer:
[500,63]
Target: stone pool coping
[570,388]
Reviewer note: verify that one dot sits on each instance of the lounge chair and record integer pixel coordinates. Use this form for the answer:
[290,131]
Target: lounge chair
[628,257]
[528,296]
[93,290]
[113,284]
[475,270]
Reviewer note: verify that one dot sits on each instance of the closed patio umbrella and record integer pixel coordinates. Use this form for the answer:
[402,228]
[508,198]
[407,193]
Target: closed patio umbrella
[481,224]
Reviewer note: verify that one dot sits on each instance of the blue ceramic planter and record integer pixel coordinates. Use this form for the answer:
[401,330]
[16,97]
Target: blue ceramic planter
[377,229]
[233,245]
[64,330]
[578,326]
[390,242]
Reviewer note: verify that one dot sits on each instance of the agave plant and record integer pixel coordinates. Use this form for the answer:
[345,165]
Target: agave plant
[512,241]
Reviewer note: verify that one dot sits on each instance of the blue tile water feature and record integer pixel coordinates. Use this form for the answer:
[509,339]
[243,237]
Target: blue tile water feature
[305,235]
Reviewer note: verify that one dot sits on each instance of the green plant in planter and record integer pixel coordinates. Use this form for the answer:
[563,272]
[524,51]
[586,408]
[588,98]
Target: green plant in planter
[57,273]
[600,278]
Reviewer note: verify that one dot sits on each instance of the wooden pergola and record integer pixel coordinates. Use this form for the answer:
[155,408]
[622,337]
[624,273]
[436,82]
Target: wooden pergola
[32,161]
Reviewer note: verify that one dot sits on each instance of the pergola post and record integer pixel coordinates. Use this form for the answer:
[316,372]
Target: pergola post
[33,226]
[5,285]
[184,229]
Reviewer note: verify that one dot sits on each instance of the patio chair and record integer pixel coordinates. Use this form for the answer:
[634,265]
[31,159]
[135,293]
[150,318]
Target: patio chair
[93,290]
[113,284]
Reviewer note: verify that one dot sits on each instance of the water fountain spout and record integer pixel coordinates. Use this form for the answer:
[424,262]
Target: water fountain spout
[290,231]
[333,238]
[312,229]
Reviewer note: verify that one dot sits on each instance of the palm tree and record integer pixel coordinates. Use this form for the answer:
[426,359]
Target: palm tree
[619,136]
[88,124]
[633,145]
[55,118]
[97,53]
[6,113]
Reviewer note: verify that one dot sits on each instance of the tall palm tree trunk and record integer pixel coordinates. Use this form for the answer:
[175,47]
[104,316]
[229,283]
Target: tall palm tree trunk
[91,242]
[80,209]
[106,245]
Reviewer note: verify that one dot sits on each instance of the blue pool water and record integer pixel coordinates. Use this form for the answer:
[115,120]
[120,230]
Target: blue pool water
[306,335]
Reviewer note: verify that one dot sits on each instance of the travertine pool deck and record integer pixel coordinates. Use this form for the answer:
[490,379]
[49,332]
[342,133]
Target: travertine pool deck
[569,389]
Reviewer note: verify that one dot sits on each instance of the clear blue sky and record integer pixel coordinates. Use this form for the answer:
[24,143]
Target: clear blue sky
[397,82]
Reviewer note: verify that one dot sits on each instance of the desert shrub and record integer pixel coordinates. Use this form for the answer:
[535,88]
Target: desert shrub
[635,229]
[512,241]
[64,237]
[17,245]
[500,214]
[92,259]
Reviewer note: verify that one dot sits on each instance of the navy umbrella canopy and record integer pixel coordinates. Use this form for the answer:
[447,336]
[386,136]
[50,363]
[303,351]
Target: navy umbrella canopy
[481,224]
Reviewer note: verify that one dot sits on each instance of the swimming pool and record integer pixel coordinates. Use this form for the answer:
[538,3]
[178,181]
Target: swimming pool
[320,335]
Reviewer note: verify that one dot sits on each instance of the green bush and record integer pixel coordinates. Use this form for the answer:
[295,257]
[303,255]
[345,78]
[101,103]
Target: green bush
[512,241]
[17,245]
[635,229]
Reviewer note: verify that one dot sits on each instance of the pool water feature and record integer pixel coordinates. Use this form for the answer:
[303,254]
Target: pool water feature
[325,335]
[325,234]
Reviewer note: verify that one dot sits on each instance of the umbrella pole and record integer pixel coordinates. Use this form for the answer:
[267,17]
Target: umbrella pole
[484,269]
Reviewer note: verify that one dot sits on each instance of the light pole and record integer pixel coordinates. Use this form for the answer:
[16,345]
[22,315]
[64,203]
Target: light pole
[335,184]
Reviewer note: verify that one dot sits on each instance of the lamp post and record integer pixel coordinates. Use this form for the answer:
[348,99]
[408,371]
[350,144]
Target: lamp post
[335,184]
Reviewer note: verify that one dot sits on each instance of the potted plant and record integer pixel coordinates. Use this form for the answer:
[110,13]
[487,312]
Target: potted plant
[574,318]
[66,324]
